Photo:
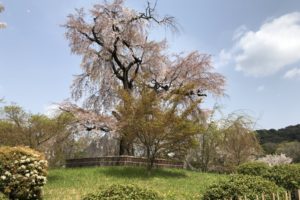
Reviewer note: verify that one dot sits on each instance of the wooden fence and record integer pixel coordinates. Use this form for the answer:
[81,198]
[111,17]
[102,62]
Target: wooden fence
[121,161]
[274,196]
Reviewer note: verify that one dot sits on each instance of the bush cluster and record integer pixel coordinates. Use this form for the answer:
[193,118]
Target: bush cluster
[254,169]
[242,185]
[286,176]
[23,173]
[125,192]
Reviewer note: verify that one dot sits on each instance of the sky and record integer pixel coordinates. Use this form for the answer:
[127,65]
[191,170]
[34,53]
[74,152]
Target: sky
[255,44]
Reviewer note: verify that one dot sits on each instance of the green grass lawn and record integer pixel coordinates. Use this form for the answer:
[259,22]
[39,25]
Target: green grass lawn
[170,183]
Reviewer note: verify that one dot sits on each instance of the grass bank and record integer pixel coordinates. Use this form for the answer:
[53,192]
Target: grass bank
[170,183]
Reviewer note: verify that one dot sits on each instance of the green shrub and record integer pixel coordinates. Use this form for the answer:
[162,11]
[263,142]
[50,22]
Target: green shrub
[124,192]
[23,172]
[3,197]
[286,176]
[242,185]
[254,169]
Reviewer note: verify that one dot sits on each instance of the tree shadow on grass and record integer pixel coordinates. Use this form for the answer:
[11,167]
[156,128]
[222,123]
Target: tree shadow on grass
[139,172]
[53,178]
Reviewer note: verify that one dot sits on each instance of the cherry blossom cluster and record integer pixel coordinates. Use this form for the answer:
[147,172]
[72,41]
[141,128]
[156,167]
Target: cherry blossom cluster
[273,160]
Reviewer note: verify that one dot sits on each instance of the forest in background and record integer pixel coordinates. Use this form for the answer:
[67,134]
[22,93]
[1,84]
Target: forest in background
[285,140]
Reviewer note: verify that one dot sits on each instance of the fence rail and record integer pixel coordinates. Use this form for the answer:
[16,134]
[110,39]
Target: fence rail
[121,161]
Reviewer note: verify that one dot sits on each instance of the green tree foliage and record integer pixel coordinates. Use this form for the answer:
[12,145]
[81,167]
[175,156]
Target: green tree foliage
[269,147]
[285,140]
[206,154]
[224,144]
[239,143]
[40,132]
[158,124]
[290,149]
[290,133]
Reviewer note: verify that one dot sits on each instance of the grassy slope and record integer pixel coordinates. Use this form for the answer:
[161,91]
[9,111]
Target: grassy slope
[171,183]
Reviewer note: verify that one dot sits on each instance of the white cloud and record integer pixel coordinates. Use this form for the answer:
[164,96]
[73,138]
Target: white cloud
[270,49]
[260,88]
[239,32]
[292,74]
[28,11]
[223,58]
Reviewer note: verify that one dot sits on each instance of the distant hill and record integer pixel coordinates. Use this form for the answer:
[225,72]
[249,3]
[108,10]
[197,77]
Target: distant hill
[287,134]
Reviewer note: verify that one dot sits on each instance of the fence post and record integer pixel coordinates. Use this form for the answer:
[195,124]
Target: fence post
[290,195]
[297,194]
[257,197]
[263,196]
[286,195]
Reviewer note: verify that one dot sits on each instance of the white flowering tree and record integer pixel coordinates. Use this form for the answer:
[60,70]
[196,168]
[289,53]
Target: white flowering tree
[273,160]
[2,24]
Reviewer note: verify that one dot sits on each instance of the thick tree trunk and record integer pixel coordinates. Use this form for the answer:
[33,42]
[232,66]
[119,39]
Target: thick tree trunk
[125,148]
[121,147]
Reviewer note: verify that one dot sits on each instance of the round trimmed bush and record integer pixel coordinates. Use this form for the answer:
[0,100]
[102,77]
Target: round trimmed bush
[254,169]
[23,173]
[242,185]
[286,176]
[124,192]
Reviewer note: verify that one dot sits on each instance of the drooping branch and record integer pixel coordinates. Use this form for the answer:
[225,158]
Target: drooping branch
[2,24]
[113,42]
[88,119]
